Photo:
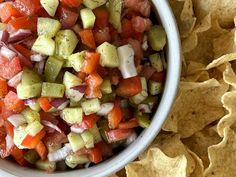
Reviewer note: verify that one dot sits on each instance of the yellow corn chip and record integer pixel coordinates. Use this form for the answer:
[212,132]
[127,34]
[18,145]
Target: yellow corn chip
[199,169]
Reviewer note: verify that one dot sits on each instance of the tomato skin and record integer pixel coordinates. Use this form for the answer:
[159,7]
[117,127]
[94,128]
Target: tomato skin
[88,122]
[158,76]
[102,35]
[72,3]
[90,63]
[7,11]
[13,103]
[114,76]
[23,23]
[129,87]
[44,103]
[3,88]
[93,89]
[4,112]
[54,138]
[9,129]
[118,134]
[41,150]
[106,149]
[102,17]
[87,38]
[24,51]
[32,141]
[127,29]
[95,154]
[114,117]
[132,123]
[18,155]
[28,7]
[147,72]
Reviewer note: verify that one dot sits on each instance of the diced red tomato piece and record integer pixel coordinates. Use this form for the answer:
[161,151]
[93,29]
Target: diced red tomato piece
[141,24]
[8,69]
[28,7]
[93,90]
[3,88]
[138,52]
[102,35]
[129,124]
[129,87]
[77,28]
[118,134]
[41,150]
[88,122]
[72,3]
[87,38]
[82,76]
[114,76]
[18,155]
[44,103]
[9,128]
[106,149]
[32,141]
[23,23]
[158,76]
[147,72]
[127,29]
[24,51]
[7,11]
[54,138]
[102,71]
[90,63]
[102,17]
[95,155]
[114,117]
[67,16]
[13,103]
[4,112]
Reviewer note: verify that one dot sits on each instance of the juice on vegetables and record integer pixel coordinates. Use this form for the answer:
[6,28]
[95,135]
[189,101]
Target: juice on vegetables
[78,79]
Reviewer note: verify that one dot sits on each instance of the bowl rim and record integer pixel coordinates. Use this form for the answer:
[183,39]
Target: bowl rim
[114,164]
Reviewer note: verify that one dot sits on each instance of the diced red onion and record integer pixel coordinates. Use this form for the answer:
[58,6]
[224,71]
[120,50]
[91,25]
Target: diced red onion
[105,109]
[59,103]
[144,108]
[30,102]
[19,35]
[131,139]
[9,142]
[16,120]
[76,129]
[4,36]
[37,57]
[7,53]
[60,154]
[41,66]
[75,94]
[13,82]
[28,42]
[80,88]
[51,125]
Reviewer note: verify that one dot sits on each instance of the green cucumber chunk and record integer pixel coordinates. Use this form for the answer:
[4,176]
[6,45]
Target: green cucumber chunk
[46,165]
[52,68]
[35,106]
[106,86]
[30,77]
[87,17]
[96,134]
[29,91]
[88,138]
[140,97]
[31,156]
[115,8]
[91,106]
[72,115]
[30,115]
[143,120]
[156,62]
[50,6]
[92,4]
[48,27]
[19,136]
[44,45]
[109,57]
[75,141]
[157,37]
[34,128]
[76,60]
[53,90]
[108,97]
[154,87]
[74,160]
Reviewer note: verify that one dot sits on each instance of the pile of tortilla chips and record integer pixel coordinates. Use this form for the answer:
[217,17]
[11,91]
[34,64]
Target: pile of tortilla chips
[199,137]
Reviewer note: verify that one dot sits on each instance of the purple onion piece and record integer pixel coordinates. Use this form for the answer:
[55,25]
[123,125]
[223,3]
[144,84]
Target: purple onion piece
[30,102]
[58,102]
[4,36]
[80,88]
[19,35]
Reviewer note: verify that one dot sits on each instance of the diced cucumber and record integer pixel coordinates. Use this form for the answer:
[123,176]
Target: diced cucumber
[126,58]
[151,101]
[140,97]
[77,60]
[75,103]
[143,121]
[53,90]
[103,127]
[106,86]
[50,6]
[19,136]
[96,134]
[52,68]
[29,91]
[76,141]
[73,160]
[108,97]
[35,106]
[154,87]
[66,41]
[33,128]
[67,64]
[46,165]
[91,106]
[115,7]
[71,80]
[92,4]
[88,139]
[30,77]
[3,26]
[156,62]
[44,45]
[48,27]
[144,83]
[157,37]
[72,115]
[31,156]
[109,57]
[30,115]
[60,76]
[87,17]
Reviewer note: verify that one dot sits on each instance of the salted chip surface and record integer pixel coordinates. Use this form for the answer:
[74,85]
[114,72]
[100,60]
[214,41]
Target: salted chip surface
[199,168]
[157,164]
[221,60]
[223,156]
[197,105]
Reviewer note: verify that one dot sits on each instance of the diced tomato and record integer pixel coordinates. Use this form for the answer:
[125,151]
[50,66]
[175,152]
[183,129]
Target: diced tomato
[87,38]
[102,71]
[77,28]
[67,16]
[129,124]
[138,52]
[72,3]
[9,68]
[7,11]
[102,17]
[41,150]
[114,76]
[129,87]
[23,23]
[3,88]
[147,72]
[44,103]
[88,122]
[158,76]
[13,103]
[90,63]
[82,76]
[127,29]
[106,149]
[118,134]
[114,117]
[93,90]
[102,35]
[95,155]
[141,24]
[28,7]
[54,138]
[18,155]
[9,128]
[4,112]
[24,51]
[32,141]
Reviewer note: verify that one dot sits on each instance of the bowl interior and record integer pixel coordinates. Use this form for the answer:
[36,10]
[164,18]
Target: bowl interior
[165,16]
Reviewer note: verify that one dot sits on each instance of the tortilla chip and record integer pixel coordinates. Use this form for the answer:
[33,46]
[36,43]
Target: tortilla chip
[198,77]
[157,164]
[223,59]
[200,141]
[197,105]
[223,156]
[114,175]
[199,169]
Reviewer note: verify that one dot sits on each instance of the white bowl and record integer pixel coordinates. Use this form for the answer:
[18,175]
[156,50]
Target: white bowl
[9,169]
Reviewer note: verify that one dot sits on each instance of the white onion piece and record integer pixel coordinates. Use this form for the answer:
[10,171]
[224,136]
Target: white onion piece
[7,53]
[131,139]
[41,66]
[76,129]
[63,105]
[16,120]
[30,102]
[51,125]
[105,109]
[60,103]
[37,57]
[13,82]
[75,95]
[144,108]
[19,35]
[4,35]
[9,142]
[60,154]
